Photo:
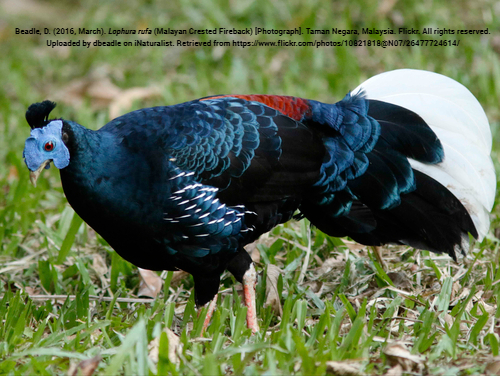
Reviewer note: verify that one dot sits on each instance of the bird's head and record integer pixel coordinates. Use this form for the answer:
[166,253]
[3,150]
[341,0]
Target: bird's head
[47,140]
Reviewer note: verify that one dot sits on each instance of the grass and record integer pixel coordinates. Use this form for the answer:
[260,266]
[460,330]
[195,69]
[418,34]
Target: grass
[346,307]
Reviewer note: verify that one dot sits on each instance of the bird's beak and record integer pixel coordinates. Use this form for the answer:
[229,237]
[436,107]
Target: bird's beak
[35,174]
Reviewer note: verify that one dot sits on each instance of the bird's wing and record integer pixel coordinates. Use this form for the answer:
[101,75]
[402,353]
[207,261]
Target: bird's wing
[249,150]
[198,223]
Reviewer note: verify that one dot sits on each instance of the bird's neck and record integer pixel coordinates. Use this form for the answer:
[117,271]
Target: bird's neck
[91,153]
[83,145]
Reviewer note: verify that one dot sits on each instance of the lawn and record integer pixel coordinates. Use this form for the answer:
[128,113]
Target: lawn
[70,304]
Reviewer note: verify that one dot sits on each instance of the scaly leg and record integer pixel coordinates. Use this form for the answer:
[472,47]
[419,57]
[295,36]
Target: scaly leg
[210,312]
[249,283]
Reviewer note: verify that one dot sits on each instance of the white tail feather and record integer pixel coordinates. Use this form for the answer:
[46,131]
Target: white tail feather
[461,125]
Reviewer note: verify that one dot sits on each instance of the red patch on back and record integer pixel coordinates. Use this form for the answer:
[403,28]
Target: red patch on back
[293,107]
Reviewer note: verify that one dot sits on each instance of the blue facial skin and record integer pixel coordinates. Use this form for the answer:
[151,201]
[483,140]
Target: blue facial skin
[35,149]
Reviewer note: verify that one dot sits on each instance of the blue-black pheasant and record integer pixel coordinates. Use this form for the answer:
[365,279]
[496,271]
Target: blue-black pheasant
[403,159]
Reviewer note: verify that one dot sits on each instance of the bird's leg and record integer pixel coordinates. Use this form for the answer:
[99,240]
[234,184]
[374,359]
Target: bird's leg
[241,266]
[249,283]
[210,312]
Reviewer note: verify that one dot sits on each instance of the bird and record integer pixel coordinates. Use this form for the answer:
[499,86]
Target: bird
[402,159]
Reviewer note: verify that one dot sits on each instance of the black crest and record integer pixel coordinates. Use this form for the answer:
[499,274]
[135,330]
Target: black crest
[38,113]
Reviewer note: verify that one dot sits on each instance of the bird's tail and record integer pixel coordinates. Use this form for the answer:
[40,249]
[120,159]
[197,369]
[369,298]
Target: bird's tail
[453,181]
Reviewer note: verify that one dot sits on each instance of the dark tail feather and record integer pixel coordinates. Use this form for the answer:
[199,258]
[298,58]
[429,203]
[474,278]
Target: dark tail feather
[393,203]
[428,218]
[404,131]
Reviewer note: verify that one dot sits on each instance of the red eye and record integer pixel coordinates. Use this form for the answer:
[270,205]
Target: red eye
[49,146]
